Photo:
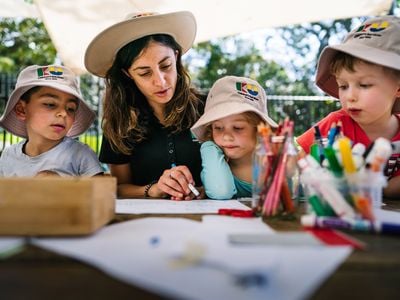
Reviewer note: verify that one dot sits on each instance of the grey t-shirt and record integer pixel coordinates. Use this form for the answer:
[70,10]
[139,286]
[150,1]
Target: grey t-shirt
[68,158]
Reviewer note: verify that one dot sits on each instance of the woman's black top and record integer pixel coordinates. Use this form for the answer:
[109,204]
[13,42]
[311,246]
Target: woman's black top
[159,151]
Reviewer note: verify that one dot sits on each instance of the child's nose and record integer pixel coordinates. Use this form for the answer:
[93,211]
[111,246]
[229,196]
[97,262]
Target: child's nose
[61,112]
[351,95]
[228,136]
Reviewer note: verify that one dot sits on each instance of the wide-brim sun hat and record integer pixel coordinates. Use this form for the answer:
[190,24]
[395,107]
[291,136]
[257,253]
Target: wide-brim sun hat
[377,41]
[232,95]
[54,76]
[102,50]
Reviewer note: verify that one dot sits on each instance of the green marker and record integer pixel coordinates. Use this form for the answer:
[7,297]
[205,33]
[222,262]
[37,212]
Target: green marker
[320,208]
[314,152]
[334,165]
[337,170]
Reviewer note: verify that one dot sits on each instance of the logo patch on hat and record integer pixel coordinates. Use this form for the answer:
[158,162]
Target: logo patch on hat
[250,91]
[50,73]
[368,31]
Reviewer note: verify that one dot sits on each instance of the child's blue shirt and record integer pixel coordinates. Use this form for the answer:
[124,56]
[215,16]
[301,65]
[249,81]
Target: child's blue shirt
[216,175]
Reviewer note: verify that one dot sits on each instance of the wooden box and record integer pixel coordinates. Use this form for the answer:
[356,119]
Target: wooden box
[56,205]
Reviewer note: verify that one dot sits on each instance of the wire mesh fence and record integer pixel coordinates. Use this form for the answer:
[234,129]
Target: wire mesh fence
[303,110]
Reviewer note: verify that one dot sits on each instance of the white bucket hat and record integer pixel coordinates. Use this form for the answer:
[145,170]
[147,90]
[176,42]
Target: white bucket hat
[58,77]
[377,41]
[232,95]
[102,50]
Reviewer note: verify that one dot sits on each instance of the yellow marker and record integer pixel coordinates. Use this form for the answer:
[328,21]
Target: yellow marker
[347,158]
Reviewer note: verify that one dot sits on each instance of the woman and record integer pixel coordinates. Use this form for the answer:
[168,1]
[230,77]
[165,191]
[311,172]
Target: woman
[149,106]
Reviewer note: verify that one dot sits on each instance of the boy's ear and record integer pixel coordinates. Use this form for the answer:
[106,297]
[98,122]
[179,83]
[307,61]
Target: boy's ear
[20,110]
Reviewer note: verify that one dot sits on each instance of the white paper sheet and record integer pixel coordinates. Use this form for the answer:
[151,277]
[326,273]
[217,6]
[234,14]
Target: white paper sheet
[227,225]
[162,206]
[144,252]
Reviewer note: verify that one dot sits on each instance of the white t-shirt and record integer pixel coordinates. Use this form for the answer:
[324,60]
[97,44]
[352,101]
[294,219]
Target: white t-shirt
[68,158]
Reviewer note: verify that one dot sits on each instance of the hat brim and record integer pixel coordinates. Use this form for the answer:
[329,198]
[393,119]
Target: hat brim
[327,82]
[221,111]
[101,52]
[83,119]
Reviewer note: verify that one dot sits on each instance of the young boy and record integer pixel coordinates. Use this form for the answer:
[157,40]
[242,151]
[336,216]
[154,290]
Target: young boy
[47,109]
[234,108]
[364,73]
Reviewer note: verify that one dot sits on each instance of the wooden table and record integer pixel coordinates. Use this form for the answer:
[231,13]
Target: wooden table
[35,273]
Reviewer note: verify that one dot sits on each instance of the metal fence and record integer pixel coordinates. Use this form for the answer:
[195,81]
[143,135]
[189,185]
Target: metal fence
[304,110]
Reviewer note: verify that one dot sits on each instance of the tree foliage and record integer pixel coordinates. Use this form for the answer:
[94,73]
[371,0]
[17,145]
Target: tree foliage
[306,42]
[239,57]
[24,42]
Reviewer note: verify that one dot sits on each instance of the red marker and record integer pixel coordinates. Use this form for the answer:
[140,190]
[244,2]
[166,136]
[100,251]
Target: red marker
[242,213]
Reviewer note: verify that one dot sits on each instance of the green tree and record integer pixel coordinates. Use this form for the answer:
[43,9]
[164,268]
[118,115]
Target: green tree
[235,56]
[24,42]
[305,43]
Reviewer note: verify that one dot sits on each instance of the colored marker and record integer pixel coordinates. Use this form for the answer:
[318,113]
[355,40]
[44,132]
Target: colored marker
[356,224]
[334,165]
[316,176]
[332,134]
[314,152]
[358,151]
[318,140]
[364,206]
[347,159]
[321,209]
[339,127]
[194,190]
[243,213]
[368,150]
[191,187]
[380,153]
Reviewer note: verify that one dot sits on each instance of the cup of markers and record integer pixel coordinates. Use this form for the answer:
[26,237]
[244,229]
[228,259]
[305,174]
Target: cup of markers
[345,181]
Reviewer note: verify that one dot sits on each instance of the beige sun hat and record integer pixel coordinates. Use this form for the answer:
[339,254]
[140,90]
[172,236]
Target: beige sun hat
[377,40]
[232,95]
[102,50]
[54,76]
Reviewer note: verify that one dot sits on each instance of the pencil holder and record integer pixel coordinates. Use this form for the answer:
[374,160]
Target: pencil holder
[262,165]
[348,196]
[275,177]
[349,178]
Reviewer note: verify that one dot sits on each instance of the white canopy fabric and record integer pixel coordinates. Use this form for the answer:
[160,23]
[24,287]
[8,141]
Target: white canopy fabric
[73,23]
[17,8]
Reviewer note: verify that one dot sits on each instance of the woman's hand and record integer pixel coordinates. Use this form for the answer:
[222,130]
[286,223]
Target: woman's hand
[175,187]
[175,182]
